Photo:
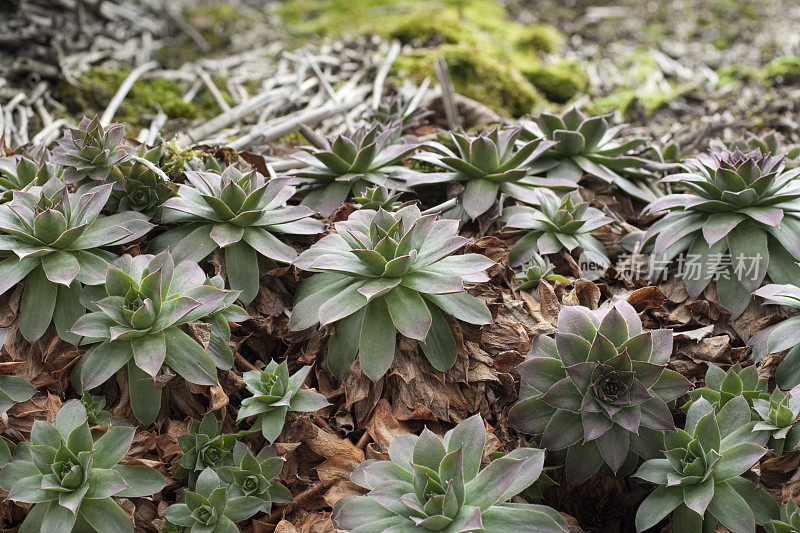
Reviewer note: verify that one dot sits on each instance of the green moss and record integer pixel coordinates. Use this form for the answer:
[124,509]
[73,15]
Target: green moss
[97,86]
[538,38]
[215,22]
[175,157]
[559,82]
[735,9]
[784,69]
[494,83]
[419,21]
[332,18]
[721,43]
[628,101]
[426,30]
[485,49]
[295,138]
[734,73]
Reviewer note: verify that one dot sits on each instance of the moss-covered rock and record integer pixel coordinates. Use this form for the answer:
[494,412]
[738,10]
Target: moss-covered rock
[483,47]
[537,38]
[559,82]
[784,69]
[492,82]
[97,86]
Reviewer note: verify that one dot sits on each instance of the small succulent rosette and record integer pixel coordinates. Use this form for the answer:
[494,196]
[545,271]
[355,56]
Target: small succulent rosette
[589,145]
[274,394]
[488,164]
[699,481]
[350,163]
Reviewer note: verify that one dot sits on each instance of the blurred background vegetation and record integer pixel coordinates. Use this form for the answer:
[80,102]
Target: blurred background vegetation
[515,56]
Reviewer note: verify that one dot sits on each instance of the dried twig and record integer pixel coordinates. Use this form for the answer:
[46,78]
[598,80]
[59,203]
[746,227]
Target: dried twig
[122,92]
[285,126]
[316,140]
[212,88]
[380,78]
[157,171]
[233,115]
[448,93]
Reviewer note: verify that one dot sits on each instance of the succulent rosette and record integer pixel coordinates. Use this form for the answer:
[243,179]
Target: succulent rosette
[255,476]
[378,197]
[55,241]
[274,393]
[210,510]
[588,145]
[488,164]
[17,172]
[721,386]
[90,151]
[383,273]
[778,417]
[141,188]
[434,483]
[784,335]
[743,207]
[534,271]
[138,323]
[558,224]
[349,164]
[240,213]
[789,521]
[768,144]
[71,476]
[598,389]
[95,412]
[699,481]
[401,112]
[205,446]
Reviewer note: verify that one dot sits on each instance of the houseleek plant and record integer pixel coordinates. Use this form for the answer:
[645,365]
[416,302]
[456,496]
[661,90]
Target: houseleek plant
[242,213]
[383,273]
[433,483]
[139,324]
[55,240]
[599,390]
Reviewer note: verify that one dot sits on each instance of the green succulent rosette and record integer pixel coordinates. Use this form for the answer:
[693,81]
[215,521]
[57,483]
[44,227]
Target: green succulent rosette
[71,477]
[740,208]
[557,224]
[382,273]
[348,164]
[241,213]
[139,324]
[699,482]
[56,241]
[274,392]
[488,164]
[599,390]
[434,483]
